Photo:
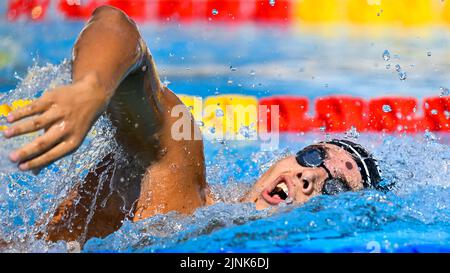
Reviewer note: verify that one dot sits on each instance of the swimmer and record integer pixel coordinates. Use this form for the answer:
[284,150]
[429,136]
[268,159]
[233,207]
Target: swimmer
[113,72]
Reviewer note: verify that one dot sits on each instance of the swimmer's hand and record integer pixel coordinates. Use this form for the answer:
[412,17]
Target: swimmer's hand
[66,114]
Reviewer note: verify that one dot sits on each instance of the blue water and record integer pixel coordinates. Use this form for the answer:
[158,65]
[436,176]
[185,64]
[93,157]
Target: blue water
[196,60]
[414,217]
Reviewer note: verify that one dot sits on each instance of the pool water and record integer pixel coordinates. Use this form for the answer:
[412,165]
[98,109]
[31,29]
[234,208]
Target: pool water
[202,60]
[414,217]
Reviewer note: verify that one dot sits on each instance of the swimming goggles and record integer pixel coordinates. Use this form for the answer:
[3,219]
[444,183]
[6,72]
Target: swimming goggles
[314,157]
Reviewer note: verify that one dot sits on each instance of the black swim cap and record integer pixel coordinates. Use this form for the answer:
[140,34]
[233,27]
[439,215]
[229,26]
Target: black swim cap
[367,164]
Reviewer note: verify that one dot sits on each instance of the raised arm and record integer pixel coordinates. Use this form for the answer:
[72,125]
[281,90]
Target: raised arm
[108,50]
[114,72]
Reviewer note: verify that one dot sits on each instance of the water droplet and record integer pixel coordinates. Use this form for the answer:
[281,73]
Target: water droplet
[387,108]
[388,66]
[398,68]
[232,68]
[429,53]
[252,72]
[173,166]
[402,75]
[434,112]
[215,12]
[244,131]
[219,113]
[429,136]
[386,55]
[73,247]
[200,123]
[248,131]
[443,92]
[229,82]
[17,77]
[352,133]
[272,2]
[212,130]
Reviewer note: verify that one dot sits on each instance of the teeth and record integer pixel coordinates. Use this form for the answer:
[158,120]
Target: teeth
[284,187]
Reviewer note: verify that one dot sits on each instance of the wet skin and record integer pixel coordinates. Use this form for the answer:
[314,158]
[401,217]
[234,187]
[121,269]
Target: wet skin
[113,72]
[303,183]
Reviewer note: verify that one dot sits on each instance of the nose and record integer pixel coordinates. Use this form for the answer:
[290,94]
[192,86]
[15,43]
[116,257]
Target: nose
[306,182]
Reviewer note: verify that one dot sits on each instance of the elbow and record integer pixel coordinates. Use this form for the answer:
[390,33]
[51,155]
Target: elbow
[112,15]
[108,11]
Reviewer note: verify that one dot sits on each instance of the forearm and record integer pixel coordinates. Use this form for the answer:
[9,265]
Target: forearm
[112,71]
[108,48]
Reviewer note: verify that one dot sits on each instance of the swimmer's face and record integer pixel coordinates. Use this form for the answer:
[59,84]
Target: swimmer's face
[287,178]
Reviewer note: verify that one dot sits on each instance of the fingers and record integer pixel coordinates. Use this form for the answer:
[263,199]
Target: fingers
[34,108]
[38,146]
[50,156]
[34,124]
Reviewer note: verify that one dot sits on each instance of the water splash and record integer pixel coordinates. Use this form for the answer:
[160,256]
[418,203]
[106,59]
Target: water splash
[352,134]
[169,230]
[401,158]
[28,201]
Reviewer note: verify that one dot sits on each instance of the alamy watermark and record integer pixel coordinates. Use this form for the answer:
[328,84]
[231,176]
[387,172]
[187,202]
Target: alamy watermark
[231,122]
[373,247]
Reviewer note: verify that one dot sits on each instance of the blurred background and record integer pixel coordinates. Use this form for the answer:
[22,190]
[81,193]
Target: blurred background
[257,47]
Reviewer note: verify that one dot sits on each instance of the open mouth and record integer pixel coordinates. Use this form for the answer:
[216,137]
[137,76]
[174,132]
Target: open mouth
[278,191]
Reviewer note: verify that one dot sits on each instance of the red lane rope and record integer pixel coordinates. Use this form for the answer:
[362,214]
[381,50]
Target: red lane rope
[163,10]
[341,113]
